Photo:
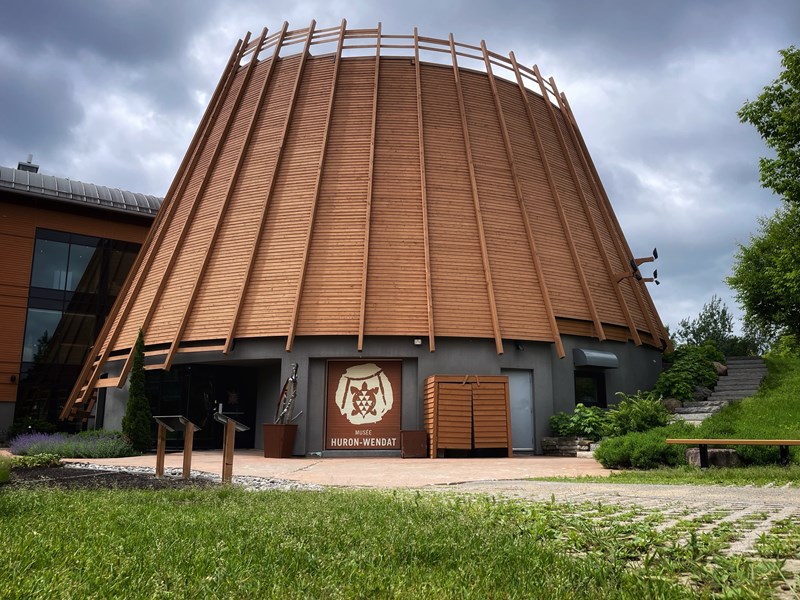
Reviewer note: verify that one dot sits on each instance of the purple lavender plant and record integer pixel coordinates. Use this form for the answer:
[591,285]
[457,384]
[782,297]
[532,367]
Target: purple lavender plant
[35,443]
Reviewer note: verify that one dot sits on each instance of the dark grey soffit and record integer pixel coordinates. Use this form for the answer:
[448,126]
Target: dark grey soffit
[69,190]
[594,358]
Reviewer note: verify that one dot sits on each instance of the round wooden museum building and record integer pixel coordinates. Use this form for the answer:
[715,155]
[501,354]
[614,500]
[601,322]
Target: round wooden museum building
[414,222]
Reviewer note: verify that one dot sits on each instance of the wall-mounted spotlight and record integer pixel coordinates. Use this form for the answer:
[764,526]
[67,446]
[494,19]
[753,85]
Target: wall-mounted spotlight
[635,273]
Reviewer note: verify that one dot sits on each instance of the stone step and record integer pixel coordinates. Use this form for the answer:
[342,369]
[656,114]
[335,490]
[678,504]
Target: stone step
[744,358]
[704,407]
[703,404]
[735,388]
[737,373]
[739,381]
[693,418]
[735,392]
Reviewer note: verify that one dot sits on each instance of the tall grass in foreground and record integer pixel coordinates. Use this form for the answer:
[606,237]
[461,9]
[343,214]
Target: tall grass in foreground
[356,544]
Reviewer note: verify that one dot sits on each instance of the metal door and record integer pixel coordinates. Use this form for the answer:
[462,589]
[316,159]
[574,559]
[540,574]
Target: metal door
[520,390]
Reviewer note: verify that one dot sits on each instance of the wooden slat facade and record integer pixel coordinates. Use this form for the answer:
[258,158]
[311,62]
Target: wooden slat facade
[382,195]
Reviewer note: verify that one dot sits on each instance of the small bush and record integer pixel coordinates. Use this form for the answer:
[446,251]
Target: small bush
[5,469]
[692,367]
[638,412]
[108,444]
[30,425]
[586,421]
[644,450]
[36,461]
[787,346]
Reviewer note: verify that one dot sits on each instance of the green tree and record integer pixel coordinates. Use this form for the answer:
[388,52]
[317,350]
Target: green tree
[137,420]
[766,272]
[776,116]
[715,324]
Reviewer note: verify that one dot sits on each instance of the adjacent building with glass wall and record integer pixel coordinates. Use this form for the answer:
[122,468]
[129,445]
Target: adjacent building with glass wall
[67,248]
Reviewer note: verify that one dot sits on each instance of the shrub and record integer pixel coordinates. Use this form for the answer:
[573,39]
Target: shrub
[108,444]
[786,346]
[692,367]
[36,461]
[638,412]
[644,450]
[30,425]
[586,421]
[5,469]
[136,424]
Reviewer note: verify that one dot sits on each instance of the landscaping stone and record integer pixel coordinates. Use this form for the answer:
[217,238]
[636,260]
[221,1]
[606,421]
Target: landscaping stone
[717,457]
[565,446]
[701,393]
[721,369]
[671,404]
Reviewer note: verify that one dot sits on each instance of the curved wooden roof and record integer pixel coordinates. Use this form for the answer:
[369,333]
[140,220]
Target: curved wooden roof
[366,192]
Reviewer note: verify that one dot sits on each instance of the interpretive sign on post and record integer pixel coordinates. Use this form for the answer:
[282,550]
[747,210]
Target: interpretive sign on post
[175,423]
[231,428]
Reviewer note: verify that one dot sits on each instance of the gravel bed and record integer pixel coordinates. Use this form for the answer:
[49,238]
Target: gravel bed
[92,476]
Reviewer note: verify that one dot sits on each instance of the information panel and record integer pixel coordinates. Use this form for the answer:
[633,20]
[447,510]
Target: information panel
[363,405]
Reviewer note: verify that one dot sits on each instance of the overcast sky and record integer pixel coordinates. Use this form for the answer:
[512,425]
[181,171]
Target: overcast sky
[111,92]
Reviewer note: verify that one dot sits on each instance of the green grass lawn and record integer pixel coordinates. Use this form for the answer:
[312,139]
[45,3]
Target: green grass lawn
[689,475]
[772,413]
[228,543]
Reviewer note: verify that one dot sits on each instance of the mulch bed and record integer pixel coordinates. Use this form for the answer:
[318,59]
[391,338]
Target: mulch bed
[93,479]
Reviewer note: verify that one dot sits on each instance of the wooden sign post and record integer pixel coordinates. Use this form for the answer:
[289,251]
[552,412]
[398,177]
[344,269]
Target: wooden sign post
[175,423]
[228,441]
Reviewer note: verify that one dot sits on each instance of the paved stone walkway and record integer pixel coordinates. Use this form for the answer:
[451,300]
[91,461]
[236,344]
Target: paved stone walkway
[754,510]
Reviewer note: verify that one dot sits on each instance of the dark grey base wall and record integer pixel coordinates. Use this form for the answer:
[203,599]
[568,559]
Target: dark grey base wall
[6,417]
[553,378]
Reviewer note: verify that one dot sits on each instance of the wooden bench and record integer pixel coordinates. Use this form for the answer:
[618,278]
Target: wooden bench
[704,444]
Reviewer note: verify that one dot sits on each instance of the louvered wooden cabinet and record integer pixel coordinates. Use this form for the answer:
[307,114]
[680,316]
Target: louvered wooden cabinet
[467,412]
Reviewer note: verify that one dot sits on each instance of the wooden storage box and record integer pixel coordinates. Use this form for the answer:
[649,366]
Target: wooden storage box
[467,412]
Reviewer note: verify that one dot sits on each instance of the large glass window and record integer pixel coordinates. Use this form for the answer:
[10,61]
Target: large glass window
[39,330]
[79,258]
[74,282]
[50,264]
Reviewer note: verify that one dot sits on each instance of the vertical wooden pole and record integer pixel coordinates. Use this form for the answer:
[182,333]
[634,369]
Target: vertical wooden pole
[161,449]
[227,451]
[362,313]
[598,240]
[262,219]
[487,269]
[86,381]
[562,215]
[537,265]
[315,199]
[188,439]
[184,229]
[223,208]
[615,230]
[424,190]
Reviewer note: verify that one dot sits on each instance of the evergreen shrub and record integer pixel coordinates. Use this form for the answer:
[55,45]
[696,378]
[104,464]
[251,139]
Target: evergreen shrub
[137,422]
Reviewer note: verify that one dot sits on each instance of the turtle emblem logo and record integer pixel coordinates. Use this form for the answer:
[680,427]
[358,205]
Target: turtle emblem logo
[364,394]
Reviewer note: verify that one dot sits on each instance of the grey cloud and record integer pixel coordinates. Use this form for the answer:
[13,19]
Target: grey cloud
[123,32]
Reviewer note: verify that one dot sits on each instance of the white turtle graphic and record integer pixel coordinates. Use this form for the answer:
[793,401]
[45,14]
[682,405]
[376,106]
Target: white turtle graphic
[364,394]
